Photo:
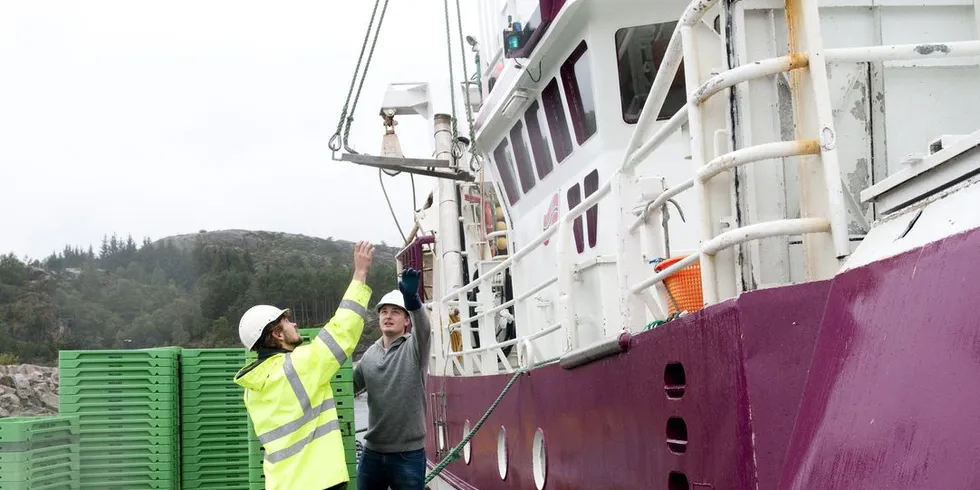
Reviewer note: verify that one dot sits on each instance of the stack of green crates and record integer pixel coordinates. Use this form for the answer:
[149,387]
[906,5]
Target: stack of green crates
[256,476]
[214,443]
[343,393]
[126,402]
[39,452]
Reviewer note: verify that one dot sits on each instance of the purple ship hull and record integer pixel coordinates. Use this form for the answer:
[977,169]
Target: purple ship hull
[865,381]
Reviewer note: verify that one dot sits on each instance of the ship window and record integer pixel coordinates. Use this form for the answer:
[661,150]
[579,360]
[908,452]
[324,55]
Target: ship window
[577,78]
[640,51]
[535,118]
[590,185]
[522,156]
[505,169]
[574,198]
[554,109]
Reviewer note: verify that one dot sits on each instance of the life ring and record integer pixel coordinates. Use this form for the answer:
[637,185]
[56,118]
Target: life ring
[488,216]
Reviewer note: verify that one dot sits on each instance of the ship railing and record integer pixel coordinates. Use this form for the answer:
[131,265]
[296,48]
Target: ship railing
[641,147]
[526,357]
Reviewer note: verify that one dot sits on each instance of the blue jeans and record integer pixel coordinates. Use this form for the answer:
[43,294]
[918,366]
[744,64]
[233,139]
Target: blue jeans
[397,471]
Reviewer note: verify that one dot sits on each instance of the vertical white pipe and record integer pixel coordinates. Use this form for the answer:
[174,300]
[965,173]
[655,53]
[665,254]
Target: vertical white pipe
[825,124]
[705,220]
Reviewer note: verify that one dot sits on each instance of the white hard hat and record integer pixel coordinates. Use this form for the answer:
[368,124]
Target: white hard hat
[254,321]
[393,298]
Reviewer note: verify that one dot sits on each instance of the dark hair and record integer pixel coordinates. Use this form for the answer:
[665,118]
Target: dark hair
[266,340]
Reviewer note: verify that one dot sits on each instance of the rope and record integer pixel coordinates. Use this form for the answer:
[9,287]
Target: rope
[334,140]
[656,323]
[452,80]
[454,453]
[390,207]
[466,93]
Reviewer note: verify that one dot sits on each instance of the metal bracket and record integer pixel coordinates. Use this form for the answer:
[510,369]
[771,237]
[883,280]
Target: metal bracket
[417,166]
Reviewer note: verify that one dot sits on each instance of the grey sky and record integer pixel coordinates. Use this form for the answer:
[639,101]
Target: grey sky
[166,117]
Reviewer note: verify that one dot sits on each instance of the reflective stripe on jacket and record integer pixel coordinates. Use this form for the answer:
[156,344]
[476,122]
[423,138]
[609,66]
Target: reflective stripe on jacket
[290,402]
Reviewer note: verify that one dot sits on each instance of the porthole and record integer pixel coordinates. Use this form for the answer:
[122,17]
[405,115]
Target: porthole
[677,481]
[466,447]
[539,460]
[675,381]
[502,453]
[677,435]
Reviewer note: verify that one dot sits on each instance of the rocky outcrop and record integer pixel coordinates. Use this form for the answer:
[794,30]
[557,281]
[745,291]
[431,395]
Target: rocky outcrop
[26,389]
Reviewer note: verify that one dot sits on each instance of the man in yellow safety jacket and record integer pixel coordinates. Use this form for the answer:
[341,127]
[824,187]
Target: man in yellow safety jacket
[287,389]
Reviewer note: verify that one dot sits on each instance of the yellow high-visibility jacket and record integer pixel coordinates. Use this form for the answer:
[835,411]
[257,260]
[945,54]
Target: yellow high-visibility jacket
[290,402]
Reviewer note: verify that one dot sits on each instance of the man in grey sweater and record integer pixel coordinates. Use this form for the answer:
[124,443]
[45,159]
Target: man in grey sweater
[393,371]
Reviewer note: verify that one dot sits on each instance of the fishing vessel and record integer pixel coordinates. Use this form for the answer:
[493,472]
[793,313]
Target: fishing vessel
[707,244]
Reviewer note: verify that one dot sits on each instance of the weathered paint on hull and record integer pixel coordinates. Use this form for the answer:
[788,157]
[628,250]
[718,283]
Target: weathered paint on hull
[605,423]
[899,345]
[893,396]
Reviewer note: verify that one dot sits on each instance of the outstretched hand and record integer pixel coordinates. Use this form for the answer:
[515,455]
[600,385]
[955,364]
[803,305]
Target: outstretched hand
[409,287]
[363,256]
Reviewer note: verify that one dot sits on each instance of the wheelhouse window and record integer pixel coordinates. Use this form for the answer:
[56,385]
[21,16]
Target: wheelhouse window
[589,228]
[554,109]
[535,118]
[577,78]
[522,156]
[574,198]
[590,185]
[640,51]
[505,169]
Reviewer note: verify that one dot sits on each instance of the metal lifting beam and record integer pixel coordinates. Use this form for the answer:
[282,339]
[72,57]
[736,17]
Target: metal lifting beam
[408,165]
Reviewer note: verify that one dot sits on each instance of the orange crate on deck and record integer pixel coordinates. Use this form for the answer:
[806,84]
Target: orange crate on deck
[684,285]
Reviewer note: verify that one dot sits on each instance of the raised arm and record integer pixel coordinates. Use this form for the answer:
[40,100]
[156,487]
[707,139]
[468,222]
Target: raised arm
[421,328]
[358,379]
[422,334]
[335,343]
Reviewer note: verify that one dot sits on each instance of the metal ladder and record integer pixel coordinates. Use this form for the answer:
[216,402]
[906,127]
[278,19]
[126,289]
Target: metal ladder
[824,221]
[822,204]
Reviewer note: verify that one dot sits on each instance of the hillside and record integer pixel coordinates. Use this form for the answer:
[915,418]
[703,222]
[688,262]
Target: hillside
[188,290]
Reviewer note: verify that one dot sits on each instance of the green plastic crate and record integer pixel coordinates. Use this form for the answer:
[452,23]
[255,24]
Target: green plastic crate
[345,375]
[113,354]
[16,473]
[110,381]
[343,389]
[50,482]
[117,389]
[36,429]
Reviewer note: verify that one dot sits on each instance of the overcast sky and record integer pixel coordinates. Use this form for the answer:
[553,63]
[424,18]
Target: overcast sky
[167,117]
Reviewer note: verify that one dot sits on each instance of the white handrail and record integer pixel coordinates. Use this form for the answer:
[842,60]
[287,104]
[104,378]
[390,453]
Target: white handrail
[507,343]
[670,127]
[797,226]
[533,244]
[505,305]
[779,149]
[904,52]
[744,73]
[757,153]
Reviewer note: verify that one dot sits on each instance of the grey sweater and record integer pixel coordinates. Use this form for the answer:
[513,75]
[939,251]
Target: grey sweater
[395,383]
